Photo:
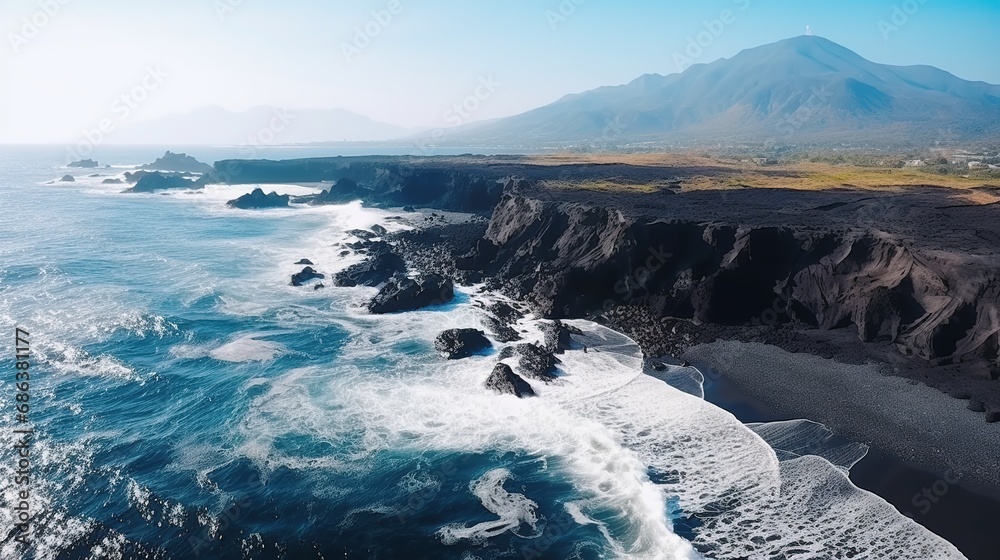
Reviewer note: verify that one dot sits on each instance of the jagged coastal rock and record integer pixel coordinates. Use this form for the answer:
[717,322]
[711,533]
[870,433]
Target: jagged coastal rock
[84,164]
[181,163]
[67,179]
[504,381]
[113,181]
[306,275]
[456,344]
[256,199]
[406,294]
[373,272]
[533,361]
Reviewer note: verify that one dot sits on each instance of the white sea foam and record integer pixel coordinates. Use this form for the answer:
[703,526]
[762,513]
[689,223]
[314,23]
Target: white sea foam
[603,427]
[249,348]
[514,511]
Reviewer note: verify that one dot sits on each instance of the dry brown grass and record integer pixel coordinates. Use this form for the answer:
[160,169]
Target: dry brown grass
[700,173]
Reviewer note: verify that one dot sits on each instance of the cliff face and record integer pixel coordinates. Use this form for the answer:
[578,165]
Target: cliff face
[571,259]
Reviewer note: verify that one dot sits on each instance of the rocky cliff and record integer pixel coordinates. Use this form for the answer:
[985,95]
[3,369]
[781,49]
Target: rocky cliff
[910,275]
[570,259]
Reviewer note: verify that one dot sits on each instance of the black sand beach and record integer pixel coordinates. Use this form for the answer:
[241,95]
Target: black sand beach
[959,510]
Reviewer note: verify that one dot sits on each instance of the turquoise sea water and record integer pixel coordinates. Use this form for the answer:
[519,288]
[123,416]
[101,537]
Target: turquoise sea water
[189,403]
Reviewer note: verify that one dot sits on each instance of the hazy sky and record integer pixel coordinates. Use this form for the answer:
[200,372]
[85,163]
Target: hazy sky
[70,73]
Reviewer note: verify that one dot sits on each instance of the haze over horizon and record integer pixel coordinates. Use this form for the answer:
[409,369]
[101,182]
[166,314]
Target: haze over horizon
[408,65]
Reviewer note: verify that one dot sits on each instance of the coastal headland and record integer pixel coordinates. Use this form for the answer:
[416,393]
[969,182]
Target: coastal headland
[891,274]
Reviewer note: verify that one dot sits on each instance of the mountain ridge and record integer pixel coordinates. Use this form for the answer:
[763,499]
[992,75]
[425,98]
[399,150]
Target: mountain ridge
[806,88]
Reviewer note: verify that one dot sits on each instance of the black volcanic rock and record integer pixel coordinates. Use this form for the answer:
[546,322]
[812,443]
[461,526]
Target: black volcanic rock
[345,190]
[504,381]
[178,163]
[363,234]
[500,321]
[67,179]
[406,294]
[557,336]
[379,230]
[306,275]
[373,272]
[258,200]
[154,181]
[456,344]
[305,262]
[84,164]
[534,362]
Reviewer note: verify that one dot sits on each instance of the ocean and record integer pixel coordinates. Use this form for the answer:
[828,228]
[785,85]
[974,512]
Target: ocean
[188,402]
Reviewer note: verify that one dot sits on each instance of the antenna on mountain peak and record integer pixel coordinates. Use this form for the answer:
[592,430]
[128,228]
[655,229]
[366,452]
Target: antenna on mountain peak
[809,31]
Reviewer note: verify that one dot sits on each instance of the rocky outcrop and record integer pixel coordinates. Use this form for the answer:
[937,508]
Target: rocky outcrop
[501,320]
[154,181]
[306,275]
[373,272]
[504,381]
[67,179]
[84,164]
[257,200]
[556,336]
[181,163]
[112,181]
[456,344]
[533,361]
[406,294]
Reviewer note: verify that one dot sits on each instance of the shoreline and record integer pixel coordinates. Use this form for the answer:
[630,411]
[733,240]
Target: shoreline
[958,510]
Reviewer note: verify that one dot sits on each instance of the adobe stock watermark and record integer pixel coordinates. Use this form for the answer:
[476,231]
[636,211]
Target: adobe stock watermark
[639,279]
[32,25]
[461,112]
[250,147]
[565,10]
[704,39]
[901,14]
[818,99]
[223,8]
[365,34]
[928,497]
[121,111]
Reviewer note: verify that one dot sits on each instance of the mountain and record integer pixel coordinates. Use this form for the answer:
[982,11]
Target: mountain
[802,89]
[259,125]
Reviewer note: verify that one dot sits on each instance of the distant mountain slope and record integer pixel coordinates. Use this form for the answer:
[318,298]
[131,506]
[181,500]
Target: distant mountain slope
[261,125]
[804,88]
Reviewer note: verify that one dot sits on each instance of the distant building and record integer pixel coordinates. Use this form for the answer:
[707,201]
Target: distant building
[915,163]
[765,161]
[978,165]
